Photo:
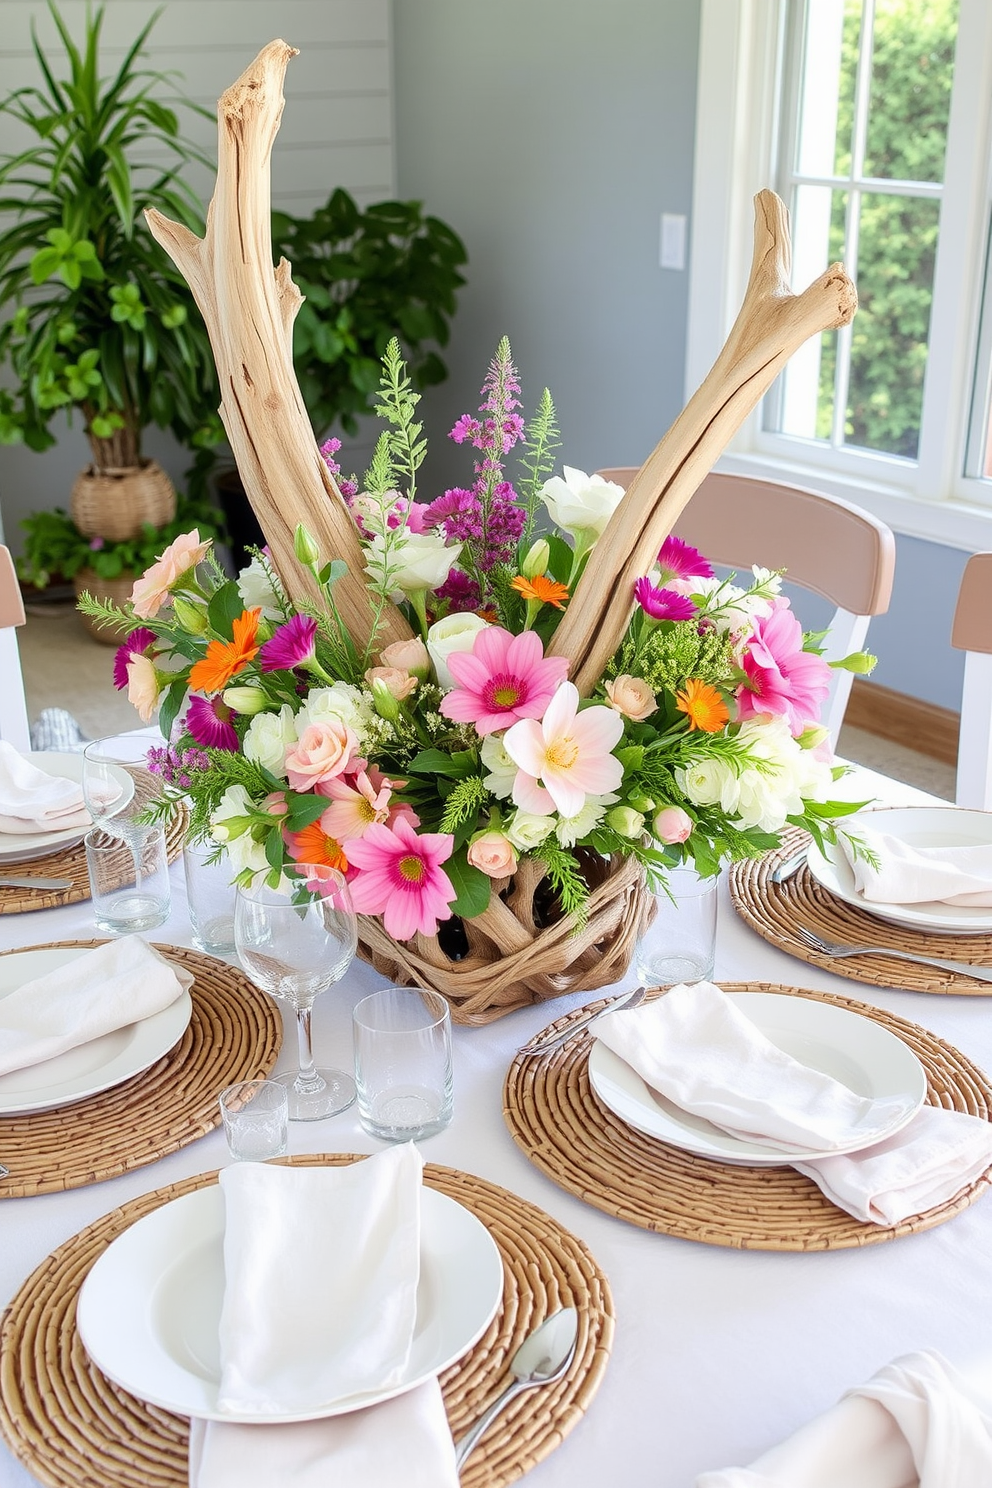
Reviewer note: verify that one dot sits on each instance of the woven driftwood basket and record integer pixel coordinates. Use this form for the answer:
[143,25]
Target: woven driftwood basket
[114,504]
[510,961]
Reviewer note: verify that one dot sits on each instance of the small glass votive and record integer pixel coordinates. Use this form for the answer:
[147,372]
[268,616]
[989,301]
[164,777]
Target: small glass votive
[210,896]
[129,889]
[256,1119]
[677,942]
[403,1063]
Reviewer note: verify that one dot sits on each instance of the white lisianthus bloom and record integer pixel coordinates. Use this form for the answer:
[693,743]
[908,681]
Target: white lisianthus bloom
[416,560]
[268,737]
[502,770]
[247,855]
[581,504]
[571,829]
[339,703]
[527,831]
[255,588]
[710,782]
[453,633]
[734,610]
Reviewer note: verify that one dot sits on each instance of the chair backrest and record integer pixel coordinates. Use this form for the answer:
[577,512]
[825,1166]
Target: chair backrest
[828,546]
[13,712]
[972,633]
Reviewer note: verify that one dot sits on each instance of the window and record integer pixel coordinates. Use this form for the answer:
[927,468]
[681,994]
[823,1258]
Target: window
[871,119]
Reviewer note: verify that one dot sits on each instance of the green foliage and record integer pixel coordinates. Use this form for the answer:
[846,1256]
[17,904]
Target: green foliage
[672,653]
[537,462]
[367,276]
[463,804]
[567,880]
[471,886]
[399,451]
[55,545]
[94,314]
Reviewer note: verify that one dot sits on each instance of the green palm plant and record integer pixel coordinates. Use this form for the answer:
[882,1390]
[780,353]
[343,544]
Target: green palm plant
[95,317]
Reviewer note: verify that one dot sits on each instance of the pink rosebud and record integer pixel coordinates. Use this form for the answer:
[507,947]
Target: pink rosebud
[410,656]
[324,750]
[493,854]
[397,682]
[632,697]
[275,803]
[673,825]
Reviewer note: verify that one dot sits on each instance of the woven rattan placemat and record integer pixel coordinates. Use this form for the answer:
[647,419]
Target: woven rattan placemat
[564,1129]
[71,863]
[774,910]
[234,1034]
[72,1428]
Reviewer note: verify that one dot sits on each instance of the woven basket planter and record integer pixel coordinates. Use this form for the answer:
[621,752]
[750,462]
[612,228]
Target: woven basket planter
[117,590]
[115,504]
[510,962]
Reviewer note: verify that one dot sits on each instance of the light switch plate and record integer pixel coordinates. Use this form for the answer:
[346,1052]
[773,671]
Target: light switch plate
[672,254]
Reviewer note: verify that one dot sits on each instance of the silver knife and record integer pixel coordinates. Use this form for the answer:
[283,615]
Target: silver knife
[790,867]
[552,1041]
[35,883]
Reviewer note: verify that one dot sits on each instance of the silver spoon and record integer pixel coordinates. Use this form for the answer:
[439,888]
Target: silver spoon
[541,1359]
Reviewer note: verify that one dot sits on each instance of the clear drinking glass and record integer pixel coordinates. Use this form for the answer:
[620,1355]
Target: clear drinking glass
[119,789]
[256,1120]
[295,942]
[210,898]
[403,1063]
[125,901]
[677,942]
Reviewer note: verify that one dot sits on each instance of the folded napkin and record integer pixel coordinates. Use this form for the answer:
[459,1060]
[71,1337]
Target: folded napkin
[915,1424]
[920,875]
[121,982]
[402,1443]
[697,1049]
[31,800]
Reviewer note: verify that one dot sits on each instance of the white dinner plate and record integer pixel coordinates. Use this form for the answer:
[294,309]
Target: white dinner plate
[25,847]
[859,1053]
[149,1310]
[917,826]
[91,1067]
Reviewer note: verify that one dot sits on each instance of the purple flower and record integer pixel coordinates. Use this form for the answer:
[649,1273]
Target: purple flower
[293,645]
[208,720]
[172,763]
[139,640]
[662,604]
[677,560]
[329,449]
[96,544]
[467,427]
[461,592]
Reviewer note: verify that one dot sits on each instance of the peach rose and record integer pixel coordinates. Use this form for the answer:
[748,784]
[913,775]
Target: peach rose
[142,685]
[410,656]
[632,697]
[673,825]
[493,854]
[152,590]
[397,681]
[324,750]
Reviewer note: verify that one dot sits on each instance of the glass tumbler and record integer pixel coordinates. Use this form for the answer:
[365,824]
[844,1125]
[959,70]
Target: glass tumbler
[129,885]
[403,1063]
[210,897]
[677,942]
[256,1119]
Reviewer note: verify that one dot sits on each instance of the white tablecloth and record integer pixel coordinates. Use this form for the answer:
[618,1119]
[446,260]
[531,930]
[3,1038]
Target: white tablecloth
[718,1353]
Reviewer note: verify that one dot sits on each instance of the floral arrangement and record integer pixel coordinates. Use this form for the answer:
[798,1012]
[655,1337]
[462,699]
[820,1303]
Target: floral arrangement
[426,769]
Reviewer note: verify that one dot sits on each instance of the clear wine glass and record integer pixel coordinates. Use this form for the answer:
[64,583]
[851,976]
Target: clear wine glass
[119,789]
[295,942]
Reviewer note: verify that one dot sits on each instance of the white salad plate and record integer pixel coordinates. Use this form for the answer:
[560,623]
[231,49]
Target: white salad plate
[917,826]
[149,1310]
[861,1054]
[25,847]
[91,1067]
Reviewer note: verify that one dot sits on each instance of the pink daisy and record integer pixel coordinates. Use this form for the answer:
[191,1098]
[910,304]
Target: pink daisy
[400,877]
[293,645]
[662,604]
[678,560]
[138,643]
[357,803]
[782,677]
[502,679]
[209,720]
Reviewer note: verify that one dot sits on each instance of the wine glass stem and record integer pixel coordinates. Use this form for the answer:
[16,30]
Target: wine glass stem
[307,1080]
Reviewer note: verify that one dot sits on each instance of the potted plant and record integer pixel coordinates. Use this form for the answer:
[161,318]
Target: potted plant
[95,317]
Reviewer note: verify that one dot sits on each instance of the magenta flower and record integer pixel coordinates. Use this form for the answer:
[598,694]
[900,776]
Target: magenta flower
[137,642]
[293,645]
[502,679]
[782,677]
[662,604]
[677,560]
[400,877]
[209,721]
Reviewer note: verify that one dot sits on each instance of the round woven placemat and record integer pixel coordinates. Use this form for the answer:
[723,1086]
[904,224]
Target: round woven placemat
[774,910]
[564,1129]
[234,1034]
[72,1428]
[70,863]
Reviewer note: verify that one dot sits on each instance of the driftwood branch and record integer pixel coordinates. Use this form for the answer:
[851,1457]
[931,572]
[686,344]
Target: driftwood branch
[772,324]
[249,309]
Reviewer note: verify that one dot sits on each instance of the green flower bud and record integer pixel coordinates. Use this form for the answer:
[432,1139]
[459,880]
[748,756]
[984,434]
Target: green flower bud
[230,827]
[642,803]
[305,547]
[246,700]
[627,822]
[537,559]
[812,736]
[385,704]
[859,662]
[192,617]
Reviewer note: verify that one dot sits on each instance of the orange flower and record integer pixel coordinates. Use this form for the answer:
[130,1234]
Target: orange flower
[703,706]
[315,845]
[541,590]
[225,659]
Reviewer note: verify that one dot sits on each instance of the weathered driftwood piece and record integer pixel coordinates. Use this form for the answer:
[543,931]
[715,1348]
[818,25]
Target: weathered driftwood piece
[772,324]
[249,309]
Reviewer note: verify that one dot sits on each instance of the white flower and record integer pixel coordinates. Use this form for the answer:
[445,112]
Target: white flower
[247,856]
[341,702]
[234,806]
[734,609]
[416,560]
[581,503]
[255,588]
[502,770]
[268,737]
[453,633]
[527,831]
[767,797]
[710,782]
[571,829]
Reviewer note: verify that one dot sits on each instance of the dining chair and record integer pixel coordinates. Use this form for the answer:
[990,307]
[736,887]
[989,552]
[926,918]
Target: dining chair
[13,710]
[972,634]
[827,545]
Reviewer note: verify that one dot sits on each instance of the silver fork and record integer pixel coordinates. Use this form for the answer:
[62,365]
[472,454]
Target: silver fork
[830,948]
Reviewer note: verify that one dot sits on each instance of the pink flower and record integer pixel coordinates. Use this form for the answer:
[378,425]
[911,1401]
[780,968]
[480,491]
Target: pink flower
[292,645]
[410,656]
[568,752]
[143,686]
[493,854]
[677,560]
[208,720]
[137,643]
[781,677]
[400,877]
[152,590]
[324,751]
[672,824]
[357,803]
[662,604]
[632,697]
[503,679]
[397,682]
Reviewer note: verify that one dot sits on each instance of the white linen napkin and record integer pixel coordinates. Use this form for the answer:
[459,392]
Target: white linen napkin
[697,1049]
[119,983]
[32,801]
[920,875]
[402,1443]
[915,1424]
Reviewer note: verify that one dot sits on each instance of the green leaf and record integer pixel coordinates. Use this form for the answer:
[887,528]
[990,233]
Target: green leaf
[433,762]
[303,809]
[171,704]
[471,885]
[226,606]
[274,851]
